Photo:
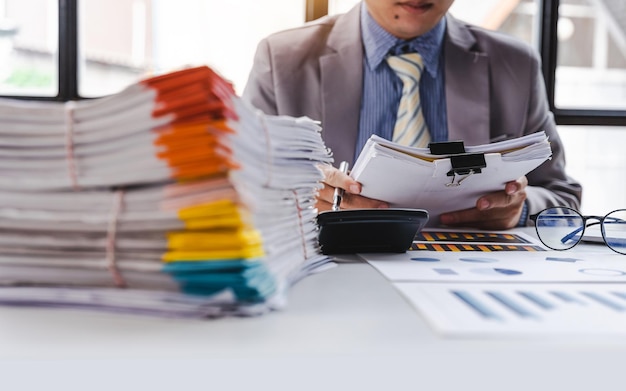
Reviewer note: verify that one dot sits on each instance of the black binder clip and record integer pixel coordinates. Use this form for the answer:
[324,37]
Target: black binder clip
[447,148]
[463,164]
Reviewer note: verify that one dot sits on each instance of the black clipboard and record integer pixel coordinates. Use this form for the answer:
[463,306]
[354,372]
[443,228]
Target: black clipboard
[369,230]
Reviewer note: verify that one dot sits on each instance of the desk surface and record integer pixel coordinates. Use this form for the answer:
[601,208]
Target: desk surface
[344,328]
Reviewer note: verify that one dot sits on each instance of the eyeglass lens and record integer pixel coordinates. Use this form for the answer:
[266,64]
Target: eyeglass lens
[614,226]
[560,228]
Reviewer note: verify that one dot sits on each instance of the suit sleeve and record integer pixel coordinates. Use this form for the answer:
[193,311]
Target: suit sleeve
[549,184]
[259,89]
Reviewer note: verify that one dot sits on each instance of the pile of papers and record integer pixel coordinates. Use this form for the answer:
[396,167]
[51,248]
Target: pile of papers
[172,197]
[408,177]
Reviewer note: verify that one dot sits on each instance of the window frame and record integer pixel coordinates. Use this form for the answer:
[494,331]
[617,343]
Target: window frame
[548,49]
[68,60]
[68,51]
[549,17]
[67,72]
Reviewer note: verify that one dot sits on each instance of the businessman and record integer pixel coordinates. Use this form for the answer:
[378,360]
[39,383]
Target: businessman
[477,86]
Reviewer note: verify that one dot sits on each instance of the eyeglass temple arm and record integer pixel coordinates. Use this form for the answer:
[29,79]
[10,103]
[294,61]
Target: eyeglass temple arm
[614,220]
[577,230]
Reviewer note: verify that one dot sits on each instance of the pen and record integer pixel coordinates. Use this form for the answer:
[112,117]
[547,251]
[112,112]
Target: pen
[343,167]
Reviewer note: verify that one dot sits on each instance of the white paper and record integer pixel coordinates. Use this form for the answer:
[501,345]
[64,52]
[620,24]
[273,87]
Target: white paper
[501,266]
[413,178]
[512,293]
[56,237]
[496,310]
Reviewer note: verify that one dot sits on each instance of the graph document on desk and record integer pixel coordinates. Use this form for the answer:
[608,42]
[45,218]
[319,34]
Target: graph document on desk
[492,310]
[496,293]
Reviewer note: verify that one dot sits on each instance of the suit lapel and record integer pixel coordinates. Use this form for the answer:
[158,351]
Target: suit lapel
[467,87]
[342,83]
[466,78]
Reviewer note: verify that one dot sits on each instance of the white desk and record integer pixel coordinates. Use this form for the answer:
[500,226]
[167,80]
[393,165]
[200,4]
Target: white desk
[346,328]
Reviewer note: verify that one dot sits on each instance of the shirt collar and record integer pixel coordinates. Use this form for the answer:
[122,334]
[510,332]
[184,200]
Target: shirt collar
[378,43]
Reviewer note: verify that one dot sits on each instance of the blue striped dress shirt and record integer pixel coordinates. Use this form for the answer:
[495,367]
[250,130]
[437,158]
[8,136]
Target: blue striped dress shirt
[382,89]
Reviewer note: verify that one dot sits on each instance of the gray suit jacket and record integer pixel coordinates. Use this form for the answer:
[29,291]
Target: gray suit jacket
[494,88]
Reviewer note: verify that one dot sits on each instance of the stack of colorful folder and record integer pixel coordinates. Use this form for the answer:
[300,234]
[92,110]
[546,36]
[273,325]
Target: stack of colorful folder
[171,197]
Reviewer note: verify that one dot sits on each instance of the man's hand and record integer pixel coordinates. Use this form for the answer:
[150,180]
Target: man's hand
[494,211]
[351,199]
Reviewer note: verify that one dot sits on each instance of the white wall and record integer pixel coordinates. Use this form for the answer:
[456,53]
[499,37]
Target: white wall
[596,157]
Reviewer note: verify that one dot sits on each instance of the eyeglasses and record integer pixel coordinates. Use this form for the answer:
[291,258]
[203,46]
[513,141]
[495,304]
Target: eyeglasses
[561,228]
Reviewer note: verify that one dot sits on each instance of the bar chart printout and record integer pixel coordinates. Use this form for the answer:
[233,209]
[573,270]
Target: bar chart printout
[456,241]
[493,310]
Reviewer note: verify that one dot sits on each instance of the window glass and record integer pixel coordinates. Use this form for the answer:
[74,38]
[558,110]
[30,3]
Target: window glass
[514,17]
[122,41]
[591,74]
[591,57]
[595,158]
[29,47]
[340,6]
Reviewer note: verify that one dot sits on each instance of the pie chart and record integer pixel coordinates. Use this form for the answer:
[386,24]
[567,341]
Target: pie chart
[603,272]
[425,259]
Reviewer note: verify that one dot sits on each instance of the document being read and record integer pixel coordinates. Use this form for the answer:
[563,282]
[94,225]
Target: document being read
[409,177]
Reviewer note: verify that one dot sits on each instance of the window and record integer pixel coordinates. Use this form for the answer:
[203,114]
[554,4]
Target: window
[122,40]
[108,44]
[589,88]
[591,57]
[72,49]
[29,48]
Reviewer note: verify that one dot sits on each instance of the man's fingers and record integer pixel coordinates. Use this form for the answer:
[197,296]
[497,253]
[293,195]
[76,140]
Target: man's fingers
[326,194]
[514,194]
[349,201]
[322,205]
[516,186]
[353,201]
[495,220]
[501,200]
[336,178]
[333,178]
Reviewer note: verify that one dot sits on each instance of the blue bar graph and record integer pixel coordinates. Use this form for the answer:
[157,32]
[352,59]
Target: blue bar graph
[621,295]
[537,299]
[511,304]
[476,305]
[566,297]
[604,301]
[521,308]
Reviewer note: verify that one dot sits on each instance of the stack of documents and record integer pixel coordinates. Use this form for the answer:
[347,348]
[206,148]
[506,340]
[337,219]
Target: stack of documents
[415,178]
[171,197]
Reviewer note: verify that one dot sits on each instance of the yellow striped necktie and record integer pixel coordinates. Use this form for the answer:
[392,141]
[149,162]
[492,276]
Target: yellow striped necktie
[410,128]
